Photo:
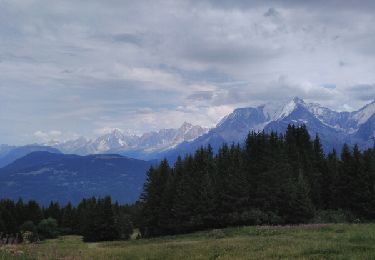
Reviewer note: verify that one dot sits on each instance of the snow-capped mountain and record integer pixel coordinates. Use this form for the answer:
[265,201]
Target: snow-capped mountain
[318,120]
[334,128]
[118,142]
[168,138]
[113,141]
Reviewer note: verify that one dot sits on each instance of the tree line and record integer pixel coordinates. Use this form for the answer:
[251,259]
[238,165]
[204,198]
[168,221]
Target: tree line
[96,219]
[270,179]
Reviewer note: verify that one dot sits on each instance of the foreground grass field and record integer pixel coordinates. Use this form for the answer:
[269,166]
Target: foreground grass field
[337,241]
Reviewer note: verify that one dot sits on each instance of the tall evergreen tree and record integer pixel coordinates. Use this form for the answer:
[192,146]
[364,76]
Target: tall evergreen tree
[152,198]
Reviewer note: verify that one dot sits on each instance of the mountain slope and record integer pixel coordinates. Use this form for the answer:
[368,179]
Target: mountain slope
[45,176]
[365,134]
[364,114]
[14,153]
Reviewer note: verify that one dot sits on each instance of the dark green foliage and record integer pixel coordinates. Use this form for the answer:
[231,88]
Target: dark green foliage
[302,209]
[271,179]
[154,196]
[2,225]
[10,225]
[98,220]
[94,219]
[124,226]
[53,211]
[33,212]
[48,228]
[69,221]
[28,226]
[333,216]
[29,232]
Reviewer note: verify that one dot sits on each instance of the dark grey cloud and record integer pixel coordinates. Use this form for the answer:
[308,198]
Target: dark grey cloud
[201,95]
[364,92]
[329,86]
[272,12]
[365,5]
[128,38]
[231,53]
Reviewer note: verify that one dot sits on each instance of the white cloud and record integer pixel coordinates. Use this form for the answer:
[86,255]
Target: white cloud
[48,136]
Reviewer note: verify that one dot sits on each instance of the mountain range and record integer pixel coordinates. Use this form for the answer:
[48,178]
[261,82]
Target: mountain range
[138,146]
[75,169]
[334,128]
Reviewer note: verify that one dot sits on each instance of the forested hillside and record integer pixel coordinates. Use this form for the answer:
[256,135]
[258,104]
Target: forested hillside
[270,179]
[96,219]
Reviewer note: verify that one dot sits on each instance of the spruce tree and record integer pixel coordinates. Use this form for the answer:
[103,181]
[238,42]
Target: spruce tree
[152,198]
[301,204]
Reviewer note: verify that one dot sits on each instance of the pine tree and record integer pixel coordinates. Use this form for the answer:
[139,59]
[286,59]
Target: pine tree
[345,179]
[53,211]
[330,183]
[68,219]
[166,219]
[301,203]
[204,167]
[34,212]
[183,203]
[360,191]
[369,169]
[105,224]
[89,220]
[319,176]
[273,178]
[152,198]
[8,220]
[19,213]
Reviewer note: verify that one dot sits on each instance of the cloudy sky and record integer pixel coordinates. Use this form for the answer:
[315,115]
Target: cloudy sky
[71,68]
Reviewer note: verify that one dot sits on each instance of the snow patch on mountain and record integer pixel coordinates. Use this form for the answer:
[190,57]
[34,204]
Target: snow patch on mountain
[361,116]
[287,109]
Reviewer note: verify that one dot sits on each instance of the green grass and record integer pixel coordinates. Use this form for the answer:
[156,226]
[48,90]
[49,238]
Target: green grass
[334,241]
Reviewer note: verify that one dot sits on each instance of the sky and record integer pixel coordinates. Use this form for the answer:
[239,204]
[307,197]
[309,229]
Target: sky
[80,68]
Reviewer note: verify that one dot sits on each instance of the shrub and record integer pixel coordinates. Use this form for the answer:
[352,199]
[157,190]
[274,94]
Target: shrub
[28,226]
[274,219]
[253,217]
[48,228]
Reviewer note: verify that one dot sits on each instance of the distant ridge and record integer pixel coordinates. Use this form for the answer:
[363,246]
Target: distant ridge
[17,152]
[45,176]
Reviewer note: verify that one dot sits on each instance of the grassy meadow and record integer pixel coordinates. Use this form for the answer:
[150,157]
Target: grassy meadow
[336,241]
